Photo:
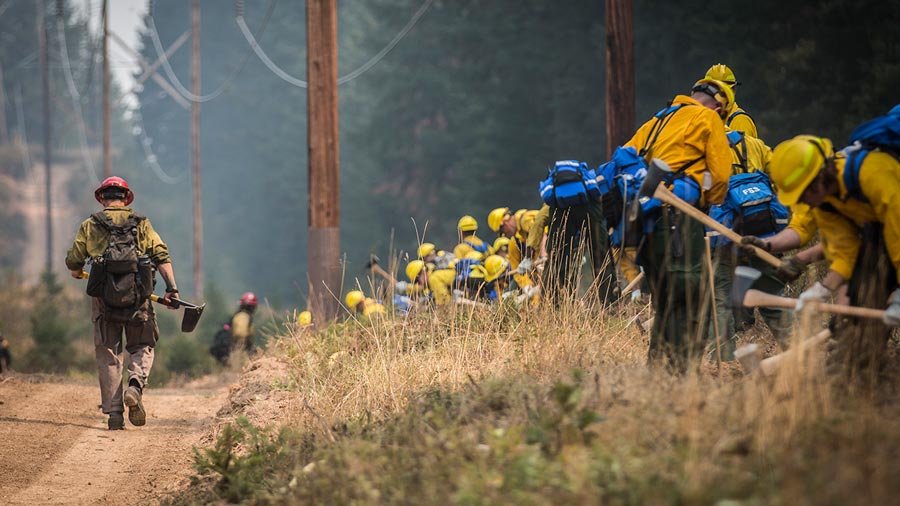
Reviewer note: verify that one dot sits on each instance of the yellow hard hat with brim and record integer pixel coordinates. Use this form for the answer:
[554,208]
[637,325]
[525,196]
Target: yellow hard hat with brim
[425,249]
[414,268]
[353,298]
[494,266]
[796,163]
[722,72]
[496,217]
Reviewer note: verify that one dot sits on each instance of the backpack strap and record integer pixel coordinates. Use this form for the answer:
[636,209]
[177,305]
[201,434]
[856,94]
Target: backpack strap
[104,221]
[738,142]
[735,114]
[662,119]
[851,174]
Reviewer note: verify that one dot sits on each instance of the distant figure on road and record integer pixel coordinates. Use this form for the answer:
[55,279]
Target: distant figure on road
[238,332]
[124,252]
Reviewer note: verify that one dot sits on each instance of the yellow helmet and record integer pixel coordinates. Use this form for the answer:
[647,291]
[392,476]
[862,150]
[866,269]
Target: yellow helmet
[795,163]
[353,299]
[304,319]
[467,224]
[475,255]
[718,90]
[721,72]
[496,217]
[413,269]
[425,249]
[500,243]
[494,267]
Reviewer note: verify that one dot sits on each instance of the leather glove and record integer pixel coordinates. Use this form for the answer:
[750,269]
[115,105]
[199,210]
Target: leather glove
[401,286]
[817,292]
[525,266]
[791,268]
[892,313]
[748,241]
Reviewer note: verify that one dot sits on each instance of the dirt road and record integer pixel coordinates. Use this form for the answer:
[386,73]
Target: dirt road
[55,448]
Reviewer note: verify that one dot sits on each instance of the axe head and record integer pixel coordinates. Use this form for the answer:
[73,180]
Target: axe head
[373,260]
[657,172]
[744,278]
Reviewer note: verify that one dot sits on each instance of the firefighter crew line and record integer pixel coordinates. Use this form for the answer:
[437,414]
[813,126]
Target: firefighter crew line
[695,172]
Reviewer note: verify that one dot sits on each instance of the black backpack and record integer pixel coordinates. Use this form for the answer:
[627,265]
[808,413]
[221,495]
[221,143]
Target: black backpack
[123,276]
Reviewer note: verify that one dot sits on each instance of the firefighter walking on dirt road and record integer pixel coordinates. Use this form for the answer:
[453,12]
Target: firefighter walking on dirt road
[124,252]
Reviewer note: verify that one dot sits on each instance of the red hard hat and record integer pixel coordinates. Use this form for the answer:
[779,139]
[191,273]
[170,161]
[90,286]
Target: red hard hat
[114,181]
[248,299]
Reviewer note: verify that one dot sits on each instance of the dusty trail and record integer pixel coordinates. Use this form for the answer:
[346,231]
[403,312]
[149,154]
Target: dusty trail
[55,449]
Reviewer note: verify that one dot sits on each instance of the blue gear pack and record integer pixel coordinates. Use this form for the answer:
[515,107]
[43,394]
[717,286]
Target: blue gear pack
[569,183]
[626,172]
[879,134]
[482,248]
[750,208]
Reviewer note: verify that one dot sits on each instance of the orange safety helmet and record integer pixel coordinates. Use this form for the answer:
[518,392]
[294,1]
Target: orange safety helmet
[114,182]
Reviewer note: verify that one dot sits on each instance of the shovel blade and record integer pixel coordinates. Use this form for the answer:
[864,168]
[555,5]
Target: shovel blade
[191,318]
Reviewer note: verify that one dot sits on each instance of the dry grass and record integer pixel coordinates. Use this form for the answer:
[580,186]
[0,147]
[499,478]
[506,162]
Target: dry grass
[479,406]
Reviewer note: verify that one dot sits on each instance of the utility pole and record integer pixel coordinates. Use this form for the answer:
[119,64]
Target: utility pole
[45,86]
[323,247]
[619,73]
[4,133]
[195,151]
[107,137]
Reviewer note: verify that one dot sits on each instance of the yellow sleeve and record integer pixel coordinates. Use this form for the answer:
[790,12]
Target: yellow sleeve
[153,245]
[840,238]
[515,254]
[461,250]
[803,222]
[536,234]
[879,180]
[439,282]
[240,326]
[77,254]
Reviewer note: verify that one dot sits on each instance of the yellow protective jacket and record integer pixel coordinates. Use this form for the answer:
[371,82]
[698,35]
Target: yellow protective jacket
[840,218]
[92,239]
[372,307]
[803,221]
[241,326]
[538,229]
[750,154]
[440,284]
[464,248]
[694,132]
[738,119]
[519,242]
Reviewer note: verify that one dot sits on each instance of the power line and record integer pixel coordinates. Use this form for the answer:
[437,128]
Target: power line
[152,159]
[387,49]
[275,69]
[76,99]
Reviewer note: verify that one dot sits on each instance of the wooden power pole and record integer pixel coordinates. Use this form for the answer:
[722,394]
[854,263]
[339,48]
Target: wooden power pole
[195,152]
[45,87]
[619,73]
[4,133]
[107,136]
[323,248]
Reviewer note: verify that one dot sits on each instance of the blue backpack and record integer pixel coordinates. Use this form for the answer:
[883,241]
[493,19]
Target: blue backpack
[750,208]
[879,134]
[569,183]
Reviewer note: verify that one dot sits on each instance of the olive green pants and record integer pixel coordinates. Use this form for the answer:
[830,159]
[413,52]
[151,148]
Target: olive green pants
[672,256]
[572,234]
[731,319]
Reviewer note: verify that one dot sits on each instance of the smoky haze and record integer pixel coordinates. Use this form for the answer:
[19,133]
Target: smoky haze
[464,114]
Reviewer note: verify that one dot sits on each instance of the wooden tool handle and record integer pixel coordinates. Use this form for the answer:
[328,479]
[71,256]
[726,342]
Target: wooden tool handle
[664,194]
[756,298]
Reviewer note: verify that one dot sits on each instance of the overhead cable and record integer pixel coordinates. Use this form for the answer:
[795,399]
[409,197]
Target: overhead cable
[76,100]
[152,160]
[275,69]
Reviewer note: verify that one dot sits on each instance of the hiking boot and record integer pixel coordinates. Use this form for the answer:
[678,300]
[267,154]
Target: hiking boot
[116,421]
[136,414]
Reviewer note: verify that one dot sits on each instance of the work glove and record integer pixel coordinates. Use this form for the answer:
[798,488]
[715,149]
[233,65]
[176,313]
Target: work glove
[401,286]
[892,313]
[817,293]
[525,266]
[791,268]
[636,295]
[748,241]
